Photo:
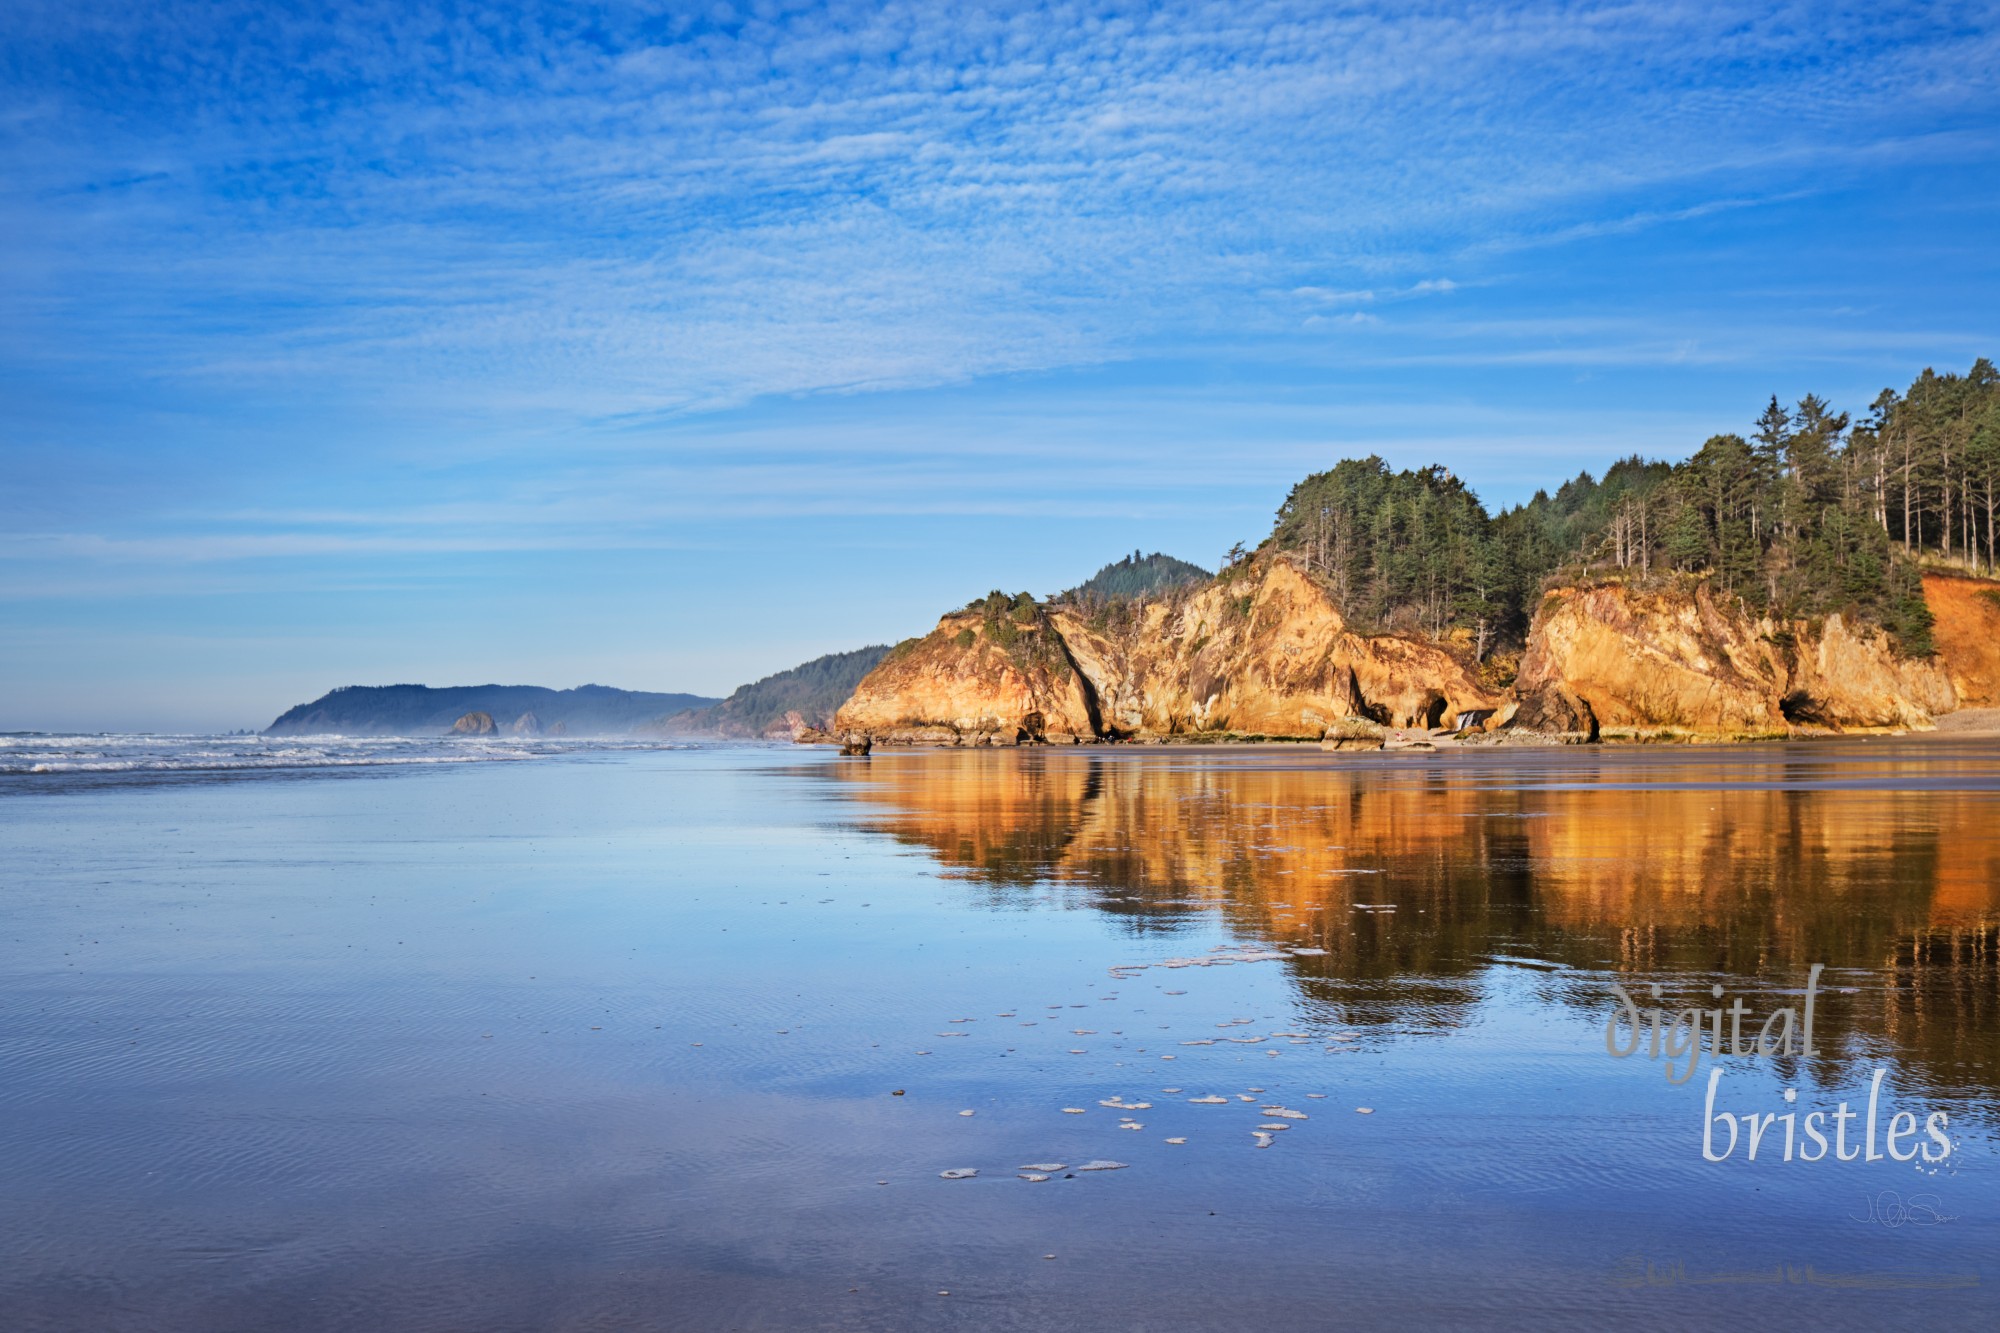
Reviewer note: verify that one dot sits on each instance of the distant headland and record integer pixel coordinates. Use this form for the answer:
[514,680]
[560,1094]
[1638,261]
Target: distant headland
[530,710]
[779,705]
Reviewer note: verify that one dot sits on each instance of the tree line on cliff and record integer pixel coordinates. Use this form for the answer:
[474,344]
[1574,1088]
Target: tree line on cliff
[1137,576]
[1812,514]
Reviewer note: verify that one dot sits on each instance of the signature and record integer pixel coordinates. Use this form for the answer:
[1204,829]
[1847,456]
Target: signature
[1891,1210]
[1639,1271]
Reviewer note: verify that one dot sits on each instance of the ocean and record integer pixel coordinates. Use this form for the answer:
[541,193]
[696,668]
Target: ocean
[434,1034]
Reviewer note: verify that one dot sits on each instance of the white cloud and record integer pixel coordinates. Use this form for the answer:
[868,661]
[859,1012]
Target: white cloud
[665,215]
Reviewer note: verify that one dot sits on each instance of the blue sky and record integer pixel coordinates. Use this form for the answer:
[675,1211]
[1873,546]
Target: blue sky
[665,346]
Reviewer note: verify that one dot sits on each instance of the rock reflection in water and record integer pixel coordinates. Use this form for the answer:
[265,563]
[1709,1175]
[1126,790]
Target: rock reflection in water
[1741,866]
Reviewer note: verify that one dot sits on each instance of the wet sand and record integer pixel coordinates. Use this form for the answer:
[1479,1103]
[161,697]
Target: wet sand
[1247,1036]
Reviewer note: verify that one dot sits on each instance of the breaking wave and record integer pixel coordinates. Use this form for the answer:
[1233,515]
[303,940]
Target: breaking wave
[29,753]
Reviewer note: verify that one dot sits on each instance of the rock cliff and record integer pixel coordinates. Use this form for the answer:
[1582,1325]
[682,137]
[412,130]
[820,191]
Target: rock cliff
[1260,651]
[1263,651]
[1680,659]
[974,680]
[1966,626]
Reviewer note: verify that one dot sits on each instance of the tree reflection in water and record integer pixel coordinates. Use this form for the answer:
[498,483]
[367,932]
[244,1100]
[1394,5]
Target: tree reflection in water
[1685,866]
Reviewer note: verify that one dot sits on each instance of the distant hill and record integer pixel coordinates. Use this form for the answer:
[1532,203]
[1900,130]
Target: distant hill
[813,690]
[1138,576]
[419,710]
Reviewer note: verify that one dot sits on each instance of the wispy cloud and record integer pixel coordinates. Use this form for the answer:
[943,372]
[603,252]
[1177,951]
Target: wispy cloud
[626,210]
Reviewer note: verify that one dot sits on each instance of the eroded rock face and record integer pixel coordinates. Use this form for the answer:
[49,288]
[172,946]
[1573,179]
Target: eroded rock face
[1647,659]
[1680,659]
[1265,652]
[962,685]
[1966,627]
[1261,652]
[1849,676]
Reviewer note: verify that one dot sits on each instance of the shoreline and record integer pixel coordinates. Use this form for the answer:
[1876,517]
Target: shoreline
[1962,723]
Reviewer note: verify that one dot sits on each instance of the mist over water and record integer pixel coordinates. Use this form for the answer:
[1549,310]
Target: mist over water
[614,1038]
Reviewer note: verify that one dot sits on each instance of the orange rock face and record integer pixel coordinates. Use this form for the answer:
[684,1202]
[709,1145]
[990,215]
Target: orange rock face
[1678,659]
[1263,651]
[1650,660]
[1966,615]
[960,685]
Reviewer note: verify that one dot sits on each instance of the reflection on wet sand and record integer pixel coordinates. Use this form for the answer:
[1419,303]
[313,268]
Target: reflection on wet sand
[1881,861]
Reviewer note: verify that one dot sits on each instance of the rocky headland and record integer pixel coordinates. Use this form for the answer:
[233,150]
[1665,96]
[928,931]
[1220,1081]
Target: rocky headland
[1818,575]
[1263,652]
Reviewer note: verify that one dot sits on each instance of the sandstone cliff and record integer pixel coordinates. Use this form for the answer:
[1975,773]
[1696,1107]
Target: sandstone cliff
[1966,626]
[1260,651]
[1263,651]
[976,679]
[1680,659]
